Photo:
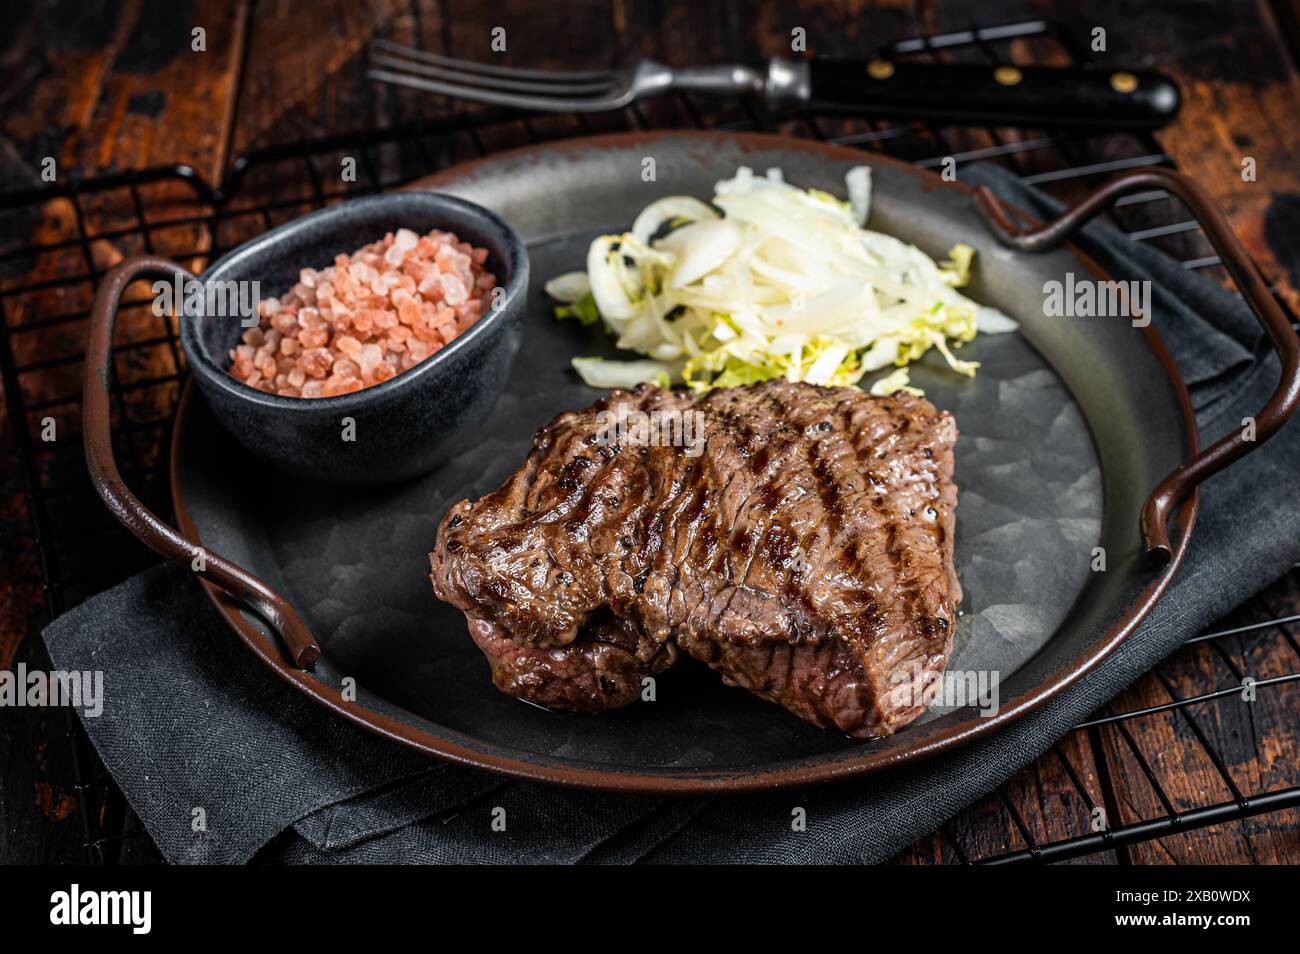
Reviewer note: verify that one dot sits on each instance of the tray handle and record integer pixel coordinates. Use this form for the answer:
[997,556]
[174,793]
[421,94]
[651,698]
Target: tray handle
[127,508]
[1175,487]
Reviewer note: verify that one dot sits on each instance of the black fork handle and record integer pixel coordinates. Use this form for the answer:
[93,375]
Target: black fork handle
[1028,95]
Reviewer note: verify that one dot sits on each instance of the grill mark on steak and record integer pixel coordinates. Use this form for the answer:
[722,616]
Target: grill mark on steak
[596,566]
[762,465]
[829,494]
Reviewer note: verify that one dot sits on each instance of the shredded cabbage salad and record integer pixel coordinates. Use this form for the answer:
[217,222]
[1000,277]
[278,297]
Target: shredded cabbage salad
[767,281]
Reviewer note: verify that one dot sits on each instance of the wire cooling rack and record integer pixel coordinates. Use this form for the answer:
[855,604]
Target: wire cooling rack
[63,239]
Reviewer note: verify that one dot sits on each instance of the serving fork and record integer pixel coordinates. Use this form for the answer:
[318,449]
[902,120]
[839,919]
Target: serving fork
[878,87]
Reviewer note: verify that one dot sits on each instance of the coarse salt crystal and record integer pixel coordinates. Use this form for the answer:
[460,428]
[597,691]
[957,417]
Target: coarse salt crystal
[453,289]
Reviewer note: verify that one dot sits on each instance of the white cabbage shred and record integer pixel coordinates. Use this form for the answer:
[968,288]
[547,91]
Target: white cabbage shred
[770,280]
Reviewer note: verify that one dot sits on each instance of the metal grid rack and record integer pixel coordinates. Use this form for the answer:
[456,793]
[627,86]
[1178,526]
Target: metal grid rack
[70,235]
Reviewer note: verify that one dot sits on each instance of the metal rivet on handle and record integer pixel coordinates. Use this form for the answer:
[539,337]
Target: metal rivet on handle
[1123,82]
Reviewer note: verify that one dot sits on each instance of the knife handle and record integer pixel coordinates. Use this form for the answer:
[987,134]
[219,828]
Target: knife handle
[1013,95]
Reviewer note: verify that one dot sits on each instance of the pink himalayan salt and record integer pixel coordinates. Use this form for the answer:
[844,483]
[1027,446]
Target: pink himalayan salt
[367,317]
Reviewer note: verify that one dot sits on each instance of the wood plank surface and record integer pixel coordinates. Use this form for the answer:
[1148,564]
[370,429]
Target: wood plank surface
[98,88]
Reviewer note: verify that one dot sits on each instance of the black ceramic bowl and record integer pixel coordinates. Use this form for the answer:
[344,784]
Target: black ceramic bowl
[400,428]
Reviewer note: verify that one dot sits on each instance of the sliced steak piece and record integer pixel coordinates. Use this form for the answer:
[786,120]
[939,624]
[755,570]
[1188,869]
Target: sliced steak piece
[805,554]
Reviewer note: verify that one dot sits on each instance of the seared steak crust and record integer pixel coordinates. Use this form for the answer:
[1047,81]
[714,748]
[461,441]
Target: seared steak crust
[806,554]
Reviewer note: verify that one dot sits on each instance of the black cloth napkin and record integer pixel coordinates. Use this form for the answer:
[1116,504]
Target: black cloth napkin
[191,721]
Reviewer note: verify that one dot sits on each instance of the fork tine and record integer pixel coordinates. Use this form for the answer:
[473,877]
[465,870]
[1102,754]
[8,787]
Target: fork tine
[530,87]
[551,104]
[462,67]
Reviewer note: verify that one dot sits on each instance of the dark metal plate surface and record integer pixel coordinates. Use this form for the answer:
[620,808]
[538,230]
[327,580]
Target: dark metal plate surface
[1052,462]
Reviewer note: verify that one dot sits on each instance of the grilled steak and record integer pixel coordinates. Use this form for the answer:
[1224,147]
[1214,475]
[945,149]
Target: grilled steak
[805,554]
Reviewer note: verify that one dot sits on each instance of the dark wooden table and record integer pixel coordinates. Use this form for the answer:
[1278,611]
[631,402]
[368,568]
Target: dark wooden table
[120,87]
